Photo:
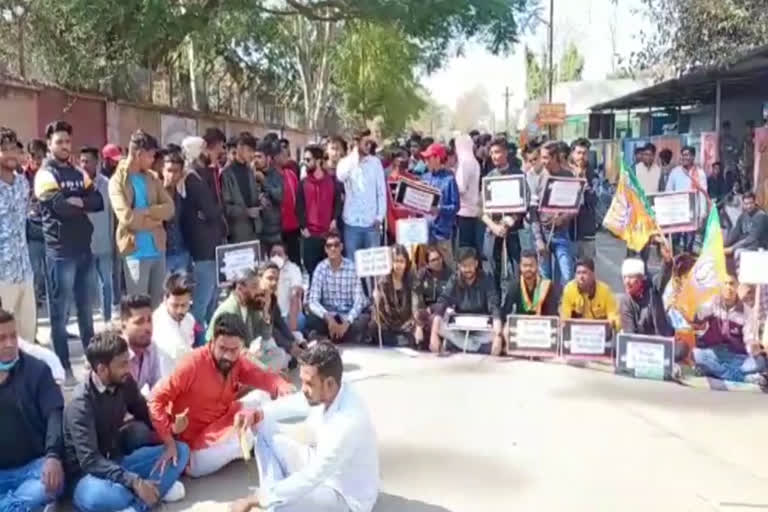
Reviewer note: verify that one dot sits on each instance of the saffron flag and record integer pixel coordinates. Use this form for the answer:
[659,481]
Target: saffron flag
[630,216]
[708,274]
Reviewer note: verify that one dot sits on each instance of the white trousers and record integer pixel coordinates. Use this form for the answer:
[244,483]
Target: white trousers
[19,299]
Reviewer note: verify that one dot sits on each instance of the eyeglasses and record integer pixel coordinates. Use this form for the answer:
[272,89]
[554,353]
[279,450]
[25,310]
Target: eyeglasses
[332,245]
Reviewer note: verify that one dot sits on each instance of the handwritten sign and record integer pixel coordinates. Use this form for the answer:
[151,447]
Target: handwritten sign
[412,232]
[373,262]
[533,336]
[417,196]
[233,259]
[562,195]
[587,339]
[645,357]
[675,211]
[751,265]
[505,194]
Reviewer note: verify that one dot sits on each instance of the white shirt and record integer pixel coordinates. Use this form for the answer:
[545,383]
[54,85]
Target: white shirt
[365,189]
[290,278]
[46,356]
[345,457]
[680,181]
[173,340]
[648,177]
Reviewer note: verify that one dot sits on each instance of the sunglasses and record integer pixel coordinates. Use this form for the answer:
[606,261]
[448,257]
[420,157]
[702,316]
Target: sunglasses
[332,245]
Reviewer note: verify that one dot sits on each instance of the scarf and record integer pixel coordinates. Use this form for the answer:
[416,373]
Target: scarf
[539,295]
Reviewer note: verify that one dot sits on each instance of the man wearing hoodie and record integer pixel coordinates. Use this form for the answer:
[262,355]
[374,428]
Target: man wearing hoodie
[468,180]
[271,197]
[441,227]
[141,206]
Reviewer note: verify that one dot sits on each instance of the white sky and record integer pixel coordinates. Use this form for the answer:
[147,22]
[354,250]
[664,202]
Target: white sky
[587,22]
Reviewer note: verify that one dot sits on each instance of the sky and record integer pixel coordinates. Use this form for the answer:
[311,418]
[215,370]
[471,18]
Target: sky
[586,22]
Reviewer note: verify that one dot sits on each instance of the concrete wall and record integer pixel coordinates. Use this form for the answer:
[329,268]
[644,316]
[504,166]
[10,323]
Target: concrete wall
[736,110]
[18,111]
[87,115]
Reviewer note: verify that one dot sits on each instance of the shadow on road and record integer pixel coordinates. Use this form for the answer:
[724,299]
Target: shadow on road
[391,503]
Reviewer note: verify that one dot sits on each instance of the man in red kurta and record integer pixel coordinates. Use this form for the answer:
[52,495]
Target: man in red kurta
[198,402]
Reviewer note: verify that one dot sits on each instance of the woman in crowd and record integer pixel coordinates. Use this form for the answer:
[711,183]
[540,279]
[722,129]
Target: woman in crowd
[397,302]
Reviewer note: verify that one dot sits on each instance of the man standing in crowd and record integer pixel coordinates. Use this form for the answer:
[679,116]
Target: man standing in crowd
[340,473]
[66,197]
[365,195]
[587,298]
[689,177]
[750,233]
[110,469]
[17,281]
[748,149]
[103,240]
[37,150]
[111,156]
[141,206]
[585,223]
[717,186]
[468,181]
[533,294]
[441,227]
[729,148]
[535,177]
[336,298]
[336,150]
[271,196]
[318,205]
[173,327]
[136,325]
[241,192]
[288,171]
[648,171]
[31,443]
[503,229]
[176,253]
[416,164]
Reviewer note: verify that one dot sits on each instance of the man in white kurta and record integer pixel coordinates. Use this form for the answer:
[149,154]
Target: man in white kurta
[173,326]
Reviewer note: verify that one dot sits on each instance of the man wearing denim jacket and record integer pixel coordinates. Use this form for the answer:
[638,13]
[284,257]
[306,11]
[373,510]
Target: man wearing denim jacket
[441,227]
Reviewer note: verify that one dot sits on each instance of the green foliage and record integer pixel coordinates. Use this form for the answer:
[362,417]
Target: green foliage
[571,64]
[536,75]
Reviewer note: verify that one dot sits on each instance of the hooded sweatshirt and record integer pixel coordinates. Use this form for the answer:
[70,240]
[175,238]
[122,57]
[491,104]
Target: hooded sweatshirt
[442,227]
[467,177]
[317,204]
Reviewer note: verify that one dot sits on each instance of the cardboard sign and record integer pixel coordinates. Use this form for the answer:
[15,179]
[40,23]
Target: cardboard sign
[562,195]
[417,196]
[232,259]
[505,194]
[753,266]
[675,211]
[533,336]
[373,262]
[645,357]
[412,232]
[470,323]
[589,340]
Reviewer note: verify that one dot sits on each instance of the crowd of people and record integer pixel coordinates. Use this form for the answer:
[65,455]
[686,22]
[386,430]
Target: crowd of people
[137,231]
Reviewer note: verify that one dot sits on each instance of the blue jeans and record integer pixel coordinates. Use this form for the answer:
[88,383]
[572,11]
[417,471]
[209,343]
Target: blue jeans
[22,489]
[69,279]
[102,265]
[301,321]
[205,294]
[721,363]
[356,238]
[98,495]
[37,258]
[560,247]
[179,262]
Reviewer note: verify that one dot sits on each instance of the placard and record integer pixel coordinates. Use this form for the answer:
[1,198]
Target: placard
[373,262]
[562,195]
[412,232]
[675,211]
[645,357]
[232,259]
[590,340]
[505,194]
[533,336]
[752,267]
[417,196]
[470,323]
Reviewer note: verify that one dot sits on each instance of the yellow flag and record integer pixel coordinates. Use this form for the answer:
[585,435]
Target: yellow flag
[628,218]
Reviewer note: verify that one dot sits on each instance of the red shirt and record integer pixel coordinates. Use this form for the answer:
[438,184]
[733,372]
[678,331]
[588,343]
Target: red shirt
[318,203]
[288,206]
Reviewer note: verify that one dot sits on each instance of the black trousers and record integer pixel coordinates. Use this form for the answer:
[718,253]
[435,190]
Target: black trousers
[291,239]
[313,252]
[513,257]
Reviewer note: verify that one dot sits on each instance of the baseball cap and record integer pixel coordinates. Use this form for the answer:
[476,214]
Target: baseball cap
[435,149]
[111,152]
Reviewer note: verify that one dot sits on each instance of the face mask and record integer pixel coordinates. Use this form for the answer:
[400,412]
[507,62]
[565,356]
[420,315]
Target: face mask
[278,260]
[8,366]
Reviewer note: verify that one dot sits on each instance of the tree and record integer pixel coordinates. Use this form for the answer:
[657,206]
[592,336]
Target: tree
[472,110]
[536,75]
[571,64]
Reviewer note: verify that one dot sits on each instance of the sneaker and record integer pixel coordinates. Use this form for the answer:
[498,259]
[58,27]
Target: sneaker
[175,493]
[70,381]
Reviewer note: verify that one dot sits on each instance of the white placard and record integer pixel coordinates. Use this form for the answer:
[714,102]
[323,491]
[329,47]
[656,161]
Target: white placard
[564,193]
[533,333]
[418,199]
[672,209]
[470,322]
[587,339]
[412,231]
[753,266]
[647,357]
[233,259]
[373,262]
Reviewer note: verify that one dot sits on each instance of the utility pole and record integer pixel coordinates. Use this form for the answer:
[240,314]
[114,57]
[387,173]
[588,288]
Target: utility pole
[507,95]
[551,54]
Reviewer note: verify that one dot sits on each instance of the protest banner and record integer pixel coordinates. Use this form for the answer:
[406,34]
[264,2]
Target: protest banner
[562,195]
[533,336]
[412,232]
[590,340]
[751,265]
[645,357]
[232,259]
[675,211]
[505,194]
[710,149]
[417,196]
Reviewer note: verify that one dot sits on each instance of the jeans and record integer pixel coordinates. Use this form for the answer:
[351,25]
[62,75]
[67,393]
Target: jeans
[301,321]
[102,265]
[179,262]
[205,294]
[356,238]
[496,248]
[94,494]
[37,258]
[561,250]
[22,489]
[146,277]
[471,233]
[69,279]
[721,363]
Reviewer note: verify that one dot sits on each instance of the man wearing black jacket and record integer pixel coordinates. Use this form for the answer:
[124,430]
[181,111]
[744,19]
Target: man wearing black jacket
[584,226]
[109,473]
[31,443]
[66,197]
[272,196]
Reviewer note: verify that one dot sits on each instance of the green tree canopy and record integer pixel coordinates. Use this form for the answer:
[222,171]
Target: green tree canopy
[571,64]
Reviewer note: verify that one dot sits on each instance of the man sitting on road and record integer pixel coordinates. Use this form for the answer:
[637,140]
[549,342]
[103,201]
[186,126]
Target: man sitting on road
[336,298]
[136,323]
[750,232]
[340,473]
[533,294]
[174,325]
[290,290]
[198,402]
[110,471]
[723,351]
[469,292]
[586,297]
[31,444]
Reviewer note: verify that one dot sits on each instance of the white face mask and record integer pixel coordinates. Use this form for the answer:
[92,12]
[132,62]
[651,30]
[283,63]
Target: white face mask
[278,260]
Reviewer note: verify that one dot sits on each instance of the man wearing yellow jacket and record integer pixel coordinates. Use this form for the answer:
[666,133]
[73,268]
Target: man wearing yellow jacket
[587,298]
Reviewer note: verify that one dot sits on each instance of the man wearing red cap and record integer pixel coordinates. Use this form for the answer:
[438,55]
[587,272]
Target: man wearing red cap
[441,226]
[111,155]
